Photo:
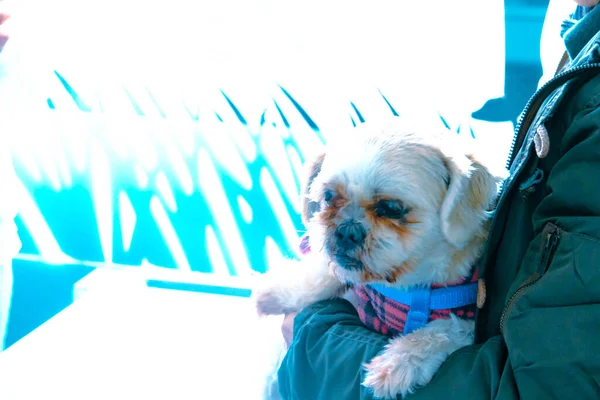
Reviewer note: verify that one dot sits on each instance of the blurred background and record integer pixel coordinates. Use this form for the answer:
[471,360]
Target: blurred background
[168,137]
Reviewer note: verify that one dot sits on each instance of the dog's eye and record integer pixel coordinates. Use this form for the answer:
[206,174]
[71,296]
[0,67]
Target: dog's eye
[393,209]
[328,196]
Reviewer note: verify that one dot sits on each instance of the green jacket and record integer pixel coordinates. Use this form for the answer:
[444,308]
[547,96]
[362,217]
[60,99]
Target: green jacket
[538,334]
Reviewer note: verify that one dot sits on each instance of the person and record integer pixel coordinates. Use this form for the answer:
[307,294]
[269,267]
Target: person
[538,332]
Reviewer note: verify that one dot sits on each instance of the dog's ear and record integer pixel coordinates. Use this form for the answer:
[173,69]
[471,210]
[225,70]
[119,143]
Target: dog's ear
[312,169]
[472,190]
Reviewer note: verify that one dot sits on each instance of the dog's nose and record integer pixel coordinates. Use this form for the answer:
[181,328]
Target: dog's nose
[350,235]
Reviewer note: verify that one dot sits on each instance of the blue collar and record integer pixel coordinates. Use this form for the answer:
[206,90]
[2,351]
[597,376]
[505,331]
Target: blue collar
[421,300]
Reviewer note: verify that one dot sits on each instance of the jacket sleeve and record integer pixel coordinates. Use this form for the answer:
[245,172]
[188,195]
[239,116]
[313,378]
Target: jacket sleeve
[330,347]
[325,358]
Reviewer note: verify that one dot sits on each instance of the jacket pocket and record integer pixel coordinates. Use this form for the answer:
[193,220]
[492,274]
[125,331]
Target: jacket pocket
[551,325]
[548,243]
[567,273]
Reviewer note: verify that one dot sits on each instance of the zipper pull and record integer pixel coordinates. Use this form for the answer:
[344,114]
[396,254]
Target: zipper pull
[552,240]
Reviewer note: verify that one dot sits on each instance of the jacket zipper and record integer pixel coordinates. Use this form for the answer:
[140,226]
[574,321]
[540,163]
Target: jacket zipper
[550,245]
[535,103]
[521,130]
[525,120]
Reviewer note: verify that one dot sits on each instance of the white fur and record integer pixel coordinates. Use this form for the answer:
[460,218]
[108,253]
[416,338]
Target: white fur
[448,194]
[293,288]
[410,361]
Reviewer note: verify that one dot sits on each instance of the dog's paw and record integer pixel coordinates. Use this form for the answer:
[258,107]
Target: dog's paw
[269,302]
[396,371]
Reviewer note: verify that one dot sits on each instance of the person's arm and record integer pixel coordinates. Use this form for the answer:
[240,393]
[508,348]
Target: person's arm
[331,345]
[552,331]
[325,357]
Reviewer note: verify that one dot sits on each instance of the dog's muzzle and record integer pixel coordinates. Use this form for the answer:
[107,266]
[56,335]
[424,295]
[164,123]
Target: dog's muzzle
[349,235]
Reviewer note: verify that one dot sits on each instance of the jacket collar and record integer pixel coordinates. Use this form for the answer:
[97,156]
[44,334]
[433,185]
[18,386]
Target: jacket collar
[580,28]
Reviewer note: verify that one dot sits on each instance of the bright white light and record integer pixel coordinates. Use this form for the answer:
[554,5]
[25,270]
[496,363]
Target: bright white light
[162,184]
[169,234]
[220,209]
[275,258]
[274,151]
[37,227]
[222,147]
[285,222]
[296,166]
[143,145]
[215,254]
[28,161]
[245,209]
[64,168]
[103,200]
[46,159]
[142,177]
[244,141]
[181,169]
[76,137]
[128,219]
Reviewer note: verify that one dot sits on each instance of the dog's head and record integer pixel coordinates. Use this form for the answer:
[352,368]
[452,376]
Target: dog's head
[391,205]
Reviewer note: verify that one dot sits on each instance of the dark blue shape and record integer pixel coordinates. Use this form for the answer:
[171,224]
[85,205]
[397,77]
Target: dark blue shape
[392,109]
[444,122]
[472,133]
[237,112]
[306,117]
[358,114]
[353,123]
[284,119]
[262,118]
[76,98]
[219,117]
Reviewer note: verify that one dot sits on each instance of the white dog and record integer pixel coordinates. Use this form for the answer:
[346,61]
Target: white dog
[398,216]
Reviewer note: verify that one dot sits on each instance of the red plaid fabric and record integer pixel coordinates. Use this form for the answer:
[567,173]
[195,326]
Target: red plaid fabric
[388,317]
